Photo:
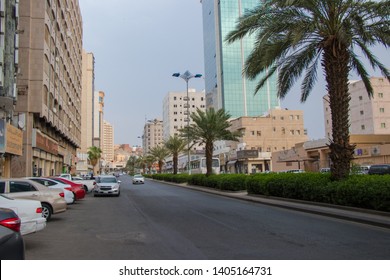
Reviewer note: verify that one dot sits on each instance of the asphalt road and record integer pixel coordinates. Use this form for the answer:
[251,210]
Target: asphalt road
[162,222]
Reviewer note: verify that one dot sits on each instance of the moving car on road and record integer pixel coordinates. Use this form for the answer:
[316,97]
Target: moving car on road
[106,185]
[138,179]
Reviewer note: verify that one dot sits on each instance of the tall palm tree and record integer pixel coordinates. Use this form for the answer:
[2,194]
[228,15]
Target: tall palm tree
[141,163]
[94,154]
[209,126]
[149,161]
[293,36]
[159,153]
[175,145]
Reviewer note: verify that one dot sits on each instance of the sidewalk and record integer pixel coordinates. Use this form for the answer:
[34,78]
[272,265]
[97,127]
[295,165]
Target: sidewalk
[359,215]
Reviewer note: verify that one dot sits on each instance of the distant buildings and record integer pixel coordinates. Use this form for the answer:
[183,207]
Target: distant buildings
[87,127]
[108,142]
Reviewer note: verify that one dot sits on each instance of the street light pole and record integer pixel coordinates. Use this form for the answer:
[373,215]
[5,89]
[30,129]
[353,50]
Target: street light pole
[186,76]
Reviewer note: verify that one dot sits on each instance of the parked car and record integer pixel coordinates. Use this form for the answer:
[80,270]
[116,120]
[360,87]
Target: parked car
[51,184]
[29,212]
[138,179]
[52,200]
[325,170]
[379,169]
[11,240]
[87,183]
[106,185]
[77,189]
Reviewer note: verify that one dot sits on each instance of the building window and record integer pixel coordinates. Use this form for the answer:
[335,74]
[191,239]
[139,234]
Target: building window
[282,118]
[361,112]
[360,98]
[258,133]
[363,127]
[383,125]
[297,117]
[380,95]
[291,132]
[252,133]
[174,98]
[382,110]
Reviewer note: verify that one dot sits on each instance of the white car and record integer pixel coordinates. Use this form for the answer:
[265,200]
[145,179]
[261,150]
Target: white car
[50,183]
[138,179]
[29,212]
[107,185]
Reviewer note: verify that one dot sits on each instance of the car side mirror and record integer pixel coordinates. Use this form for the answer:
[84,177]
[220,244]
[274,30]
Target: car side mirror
[119,181]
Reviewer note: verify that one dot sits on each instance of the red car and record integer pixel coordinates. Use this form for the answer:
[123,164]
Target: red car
[77,189]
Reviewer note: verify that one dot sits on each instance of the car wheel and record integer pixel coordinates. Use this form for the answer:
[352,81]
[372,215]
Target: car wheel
[46,211]
[86,189]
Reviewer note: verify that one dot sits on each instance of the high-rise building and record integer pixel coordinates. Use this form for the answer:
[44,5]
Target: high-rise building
[225,86]
[98,113]
[88,81]
[175,111]
[108,142]
[49,86]
[367,115]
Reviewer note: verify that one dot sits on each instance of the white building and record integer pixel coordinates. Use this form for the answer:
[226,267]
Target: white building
[176,111]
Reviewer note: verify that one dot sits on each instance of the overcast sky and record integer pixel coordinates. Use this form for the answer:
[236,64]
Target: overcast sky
[139,44]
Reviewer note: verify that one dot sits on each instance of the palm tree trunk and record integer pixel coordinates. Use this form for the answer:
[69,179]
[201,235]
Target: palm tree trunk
[175,160]
[336,65]
[209,158]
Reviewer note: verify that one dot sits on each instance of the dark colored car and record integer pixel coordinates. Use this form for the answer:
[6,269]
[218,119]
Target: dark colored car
[11,240]
[379,169]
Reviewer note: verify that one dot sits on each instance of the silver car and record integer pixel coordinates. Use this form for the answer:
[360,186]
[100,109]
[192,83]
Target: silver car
[138,179]
[106,185]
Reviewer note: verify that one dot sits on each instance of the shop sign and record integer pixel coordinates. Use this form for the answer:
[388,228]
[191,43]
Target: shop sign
[13,140]
[2,136]
[247,154]
[42,142]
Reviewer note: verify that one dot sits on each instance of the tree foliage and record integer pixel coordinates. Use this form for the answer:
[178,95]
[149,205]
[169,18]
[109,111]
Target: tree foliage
[294,37]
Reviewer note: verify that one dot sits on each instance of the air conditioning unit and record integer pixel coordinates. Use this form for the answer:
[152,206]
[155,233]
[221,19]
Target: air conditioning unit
[54,110]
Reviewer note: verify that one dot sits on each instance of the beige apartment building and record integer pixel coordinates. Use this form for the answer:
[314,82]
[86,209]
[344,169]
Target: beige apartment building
[278,130]
[88,82]
[49,86]
[367,115]
[176,110]
[108,142]
[153,135]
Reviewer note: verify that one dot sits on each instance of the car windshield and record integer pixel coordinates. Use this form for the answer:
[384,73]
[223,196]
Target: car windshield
[108,180]
[137,176]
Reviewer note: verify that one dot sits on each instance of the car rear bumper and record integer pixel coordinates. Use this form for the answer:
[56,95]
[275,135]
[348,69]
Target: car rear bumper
[33,226]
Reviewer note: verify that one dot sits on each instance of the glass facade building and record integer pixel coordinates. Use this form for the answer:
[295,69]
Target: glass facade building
[225,86]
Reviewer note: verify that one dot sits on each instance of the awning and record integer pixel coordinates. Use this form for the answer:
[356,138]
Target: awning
[231,162]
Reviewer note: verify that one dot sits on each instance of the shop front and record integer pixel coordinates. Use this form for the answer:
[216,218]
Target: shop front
[11,145]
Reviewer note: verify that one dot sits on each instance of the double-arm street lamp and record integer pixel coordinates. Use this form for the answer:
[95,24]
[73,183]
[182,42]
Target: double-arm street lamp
[186,76]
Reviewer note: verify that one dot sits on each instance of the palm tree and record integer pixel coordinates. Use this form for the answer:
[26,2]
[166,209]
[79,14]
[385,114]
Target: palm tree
[159,153]
[149,161]
[175,145]
[131,163]
[94,154]
[209,126]
[294,36]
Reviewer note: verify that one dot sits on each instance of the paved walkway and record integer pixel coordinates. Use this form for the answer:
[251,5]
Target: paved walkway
[371,217]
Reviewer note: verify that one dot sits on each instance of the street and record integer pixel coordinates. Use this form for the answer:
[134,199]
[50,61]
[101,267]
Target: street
[158,221]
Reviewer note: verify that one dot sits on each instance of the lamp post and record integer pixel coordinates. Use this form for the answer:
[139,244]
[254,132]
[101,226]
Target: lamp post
[186,76]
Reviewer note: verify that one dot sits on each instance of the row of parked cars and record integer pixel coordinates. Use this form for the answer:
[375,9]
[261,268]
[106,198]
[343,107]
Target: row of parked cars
[26,204]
